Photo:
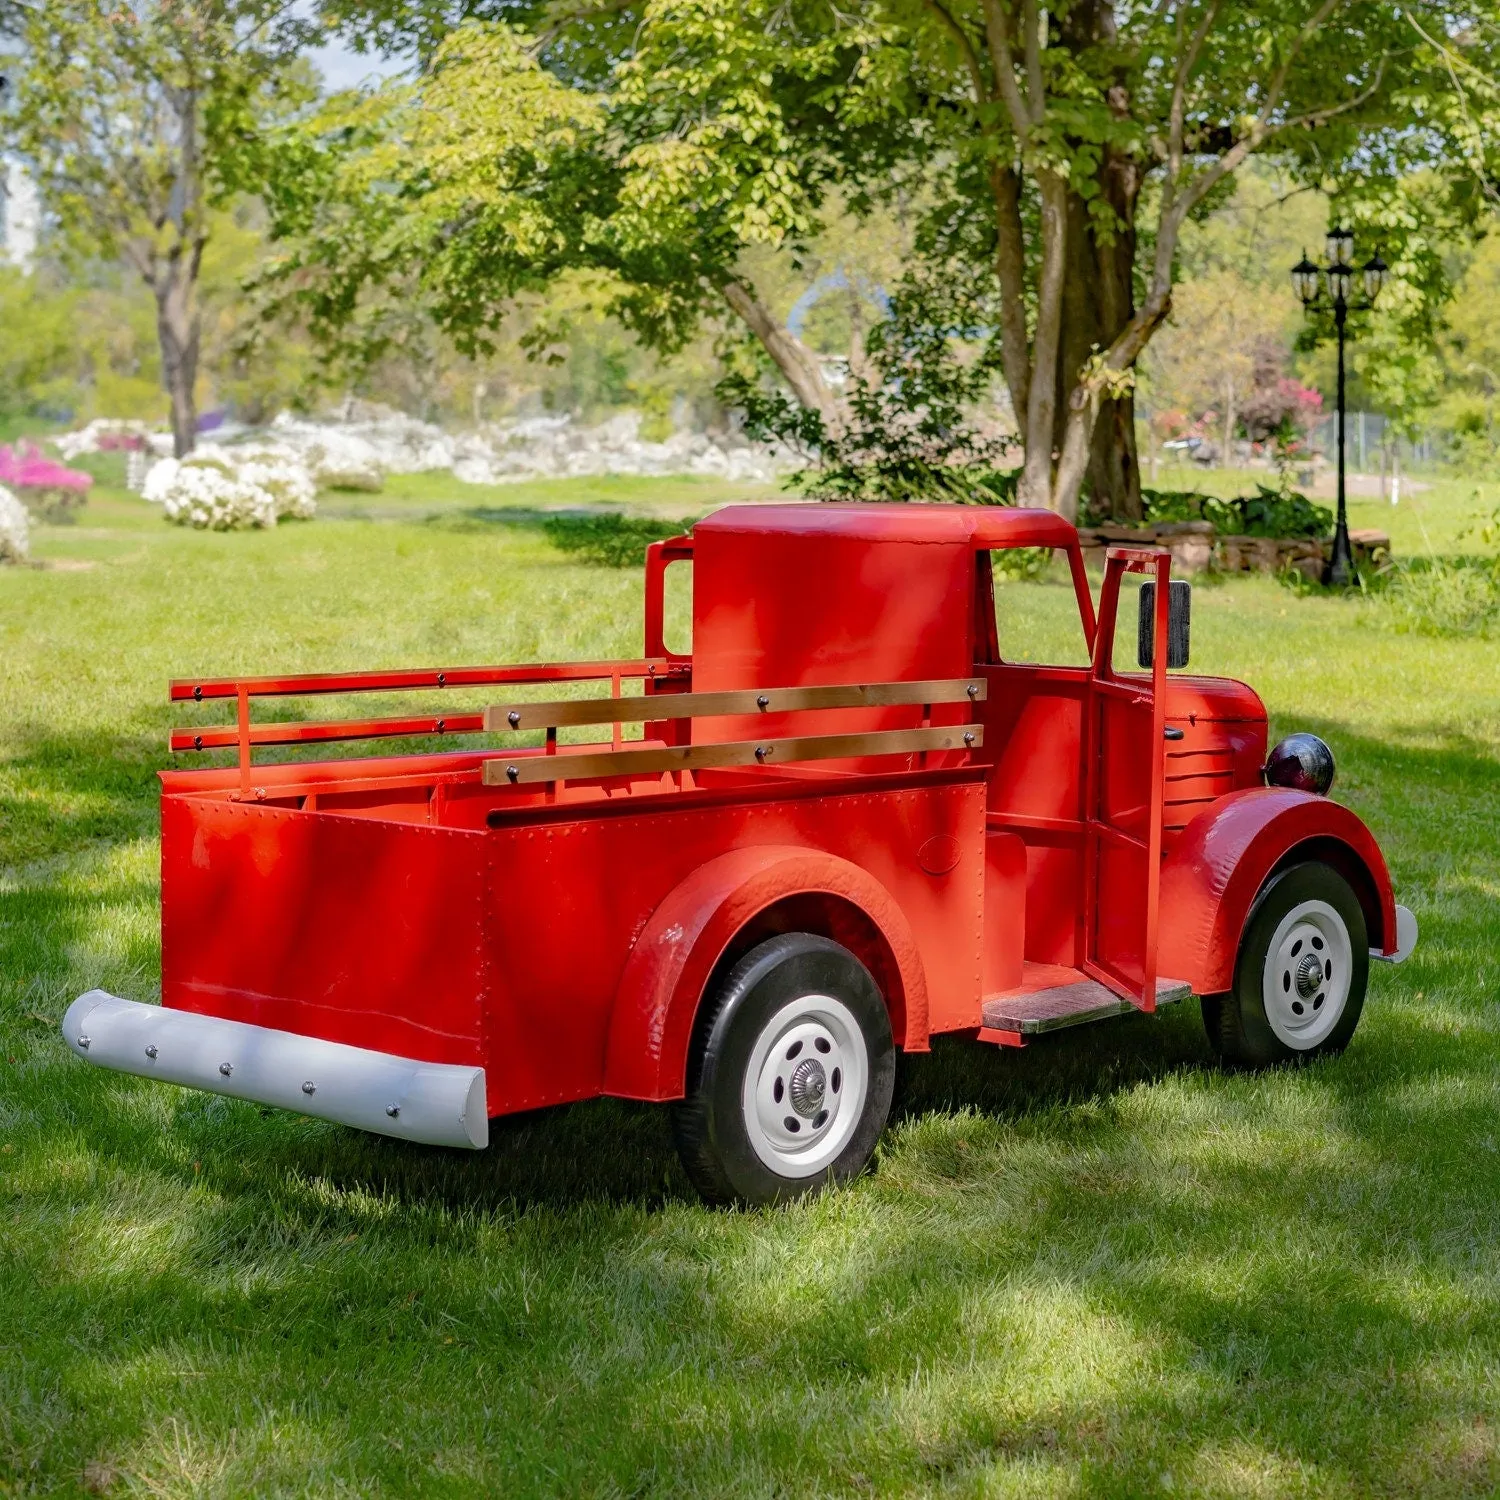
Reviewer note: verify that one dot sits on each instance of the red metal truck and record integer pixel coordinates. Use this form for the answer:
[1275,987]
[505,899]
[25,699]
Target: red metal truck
[853,822]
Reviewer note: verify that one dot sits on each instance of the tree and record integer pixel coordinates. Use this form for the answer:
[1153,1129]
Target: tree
[1055,154]
[135,120]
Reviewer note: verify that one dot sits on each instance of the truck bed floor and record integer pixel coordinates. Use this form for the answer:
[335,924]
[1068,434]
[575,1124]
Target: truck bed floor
[1052,996]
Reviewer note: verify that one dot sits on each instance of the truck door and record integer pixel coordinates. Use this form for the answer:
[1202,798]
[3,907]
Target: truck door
[1124,767]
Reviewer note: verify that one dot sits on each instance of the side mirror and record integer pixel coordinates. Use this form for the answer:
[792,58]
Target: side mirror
[1179,622]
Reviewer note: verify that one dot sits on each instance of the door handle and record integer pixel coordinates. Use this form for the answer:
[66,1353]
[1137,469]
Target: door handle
[1172,733]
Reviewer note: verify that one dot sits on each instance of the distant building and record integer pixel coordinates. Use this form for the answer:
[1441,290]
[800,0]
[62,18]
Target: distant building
[20,216]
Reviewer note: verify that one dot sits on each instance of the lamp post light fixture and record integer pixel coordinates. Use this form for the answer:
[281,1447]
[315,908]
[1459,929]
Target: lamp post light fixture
[1308,280]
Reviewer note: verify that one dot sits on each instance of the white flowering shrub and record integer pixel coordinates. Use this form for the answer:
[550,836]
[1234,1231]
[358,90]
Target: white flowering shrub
[281,474]
[15,529]
[344,461]
[231,490]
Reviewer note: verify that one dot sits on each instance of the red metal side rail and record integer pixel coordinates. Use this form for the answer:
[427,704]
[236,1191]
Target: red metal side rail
[243,735]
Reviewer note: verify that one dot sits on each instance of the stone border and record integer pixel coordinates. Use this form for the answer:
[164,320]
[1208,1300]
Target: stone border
[1197,547]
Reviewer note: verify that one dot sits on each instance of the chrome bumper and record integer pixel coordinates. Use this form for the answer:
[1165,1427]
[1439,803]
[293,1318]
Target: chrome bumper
[441,1104]
[1406,938]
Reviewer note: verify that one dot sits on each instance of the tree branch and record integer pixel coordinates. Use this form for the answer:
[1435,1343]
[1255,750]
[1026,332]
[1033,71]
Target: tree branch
[791,356]
[965,48]
[1278,80]
[1010,270]
[1031,42]
[1003,65]
[1187,60]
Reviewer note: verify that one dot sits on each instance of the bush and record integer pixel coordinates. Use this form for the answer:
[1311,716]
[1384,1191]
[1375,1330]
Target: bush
[1442,596]
[610,541]
[1268,512]
[251,486]
[15,541]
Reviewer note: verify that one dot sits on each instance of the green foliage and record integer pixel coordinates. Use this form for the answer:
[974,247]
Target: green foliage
[76,347]
[1268,512]
[613,540]
[912,423]
[658,146]
[1442,596]
[109,99]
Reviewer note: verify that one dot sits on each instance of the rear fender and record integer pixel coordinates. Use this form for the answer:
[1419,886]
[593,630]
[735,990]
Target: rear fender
[1224,857]
[673,959]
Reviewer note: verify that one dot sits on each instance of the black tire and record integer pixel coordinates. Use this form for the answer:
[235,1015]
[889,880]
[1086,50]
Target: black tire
[781,990]
[1247,1031]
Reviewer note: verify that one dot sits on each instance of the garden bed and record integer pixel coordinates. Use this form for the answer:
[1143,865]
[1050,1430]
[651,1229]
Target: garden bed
[1197,547]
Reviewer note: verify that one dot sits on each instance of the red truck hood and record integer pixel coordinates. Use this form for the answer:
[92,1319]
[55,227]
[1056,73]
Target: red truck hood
[1222,749]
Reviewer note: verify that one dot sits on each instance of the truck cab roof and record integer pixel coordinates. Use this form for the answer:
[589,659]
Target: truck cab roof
[787,595]
[974,525]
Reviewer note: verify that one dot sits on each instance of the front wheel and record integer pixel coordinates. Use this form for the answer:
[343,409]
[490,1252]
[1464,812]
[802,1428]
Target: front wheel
[1299,980]
[790,1075]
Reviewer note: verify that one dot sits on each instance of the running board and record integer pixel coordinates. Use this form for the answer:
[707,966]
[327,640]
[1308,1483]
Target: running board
[1028,1012]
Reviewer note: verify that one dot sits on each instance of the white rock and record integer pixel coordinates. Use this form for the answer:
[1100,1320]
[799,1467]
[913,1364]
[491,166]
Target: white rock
[366,442]
[15,529]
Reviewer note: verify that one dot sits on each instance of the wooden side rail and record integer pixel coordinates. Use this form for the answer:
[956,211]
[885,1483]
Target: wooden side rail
[613,710]
[567,712]
[584,764]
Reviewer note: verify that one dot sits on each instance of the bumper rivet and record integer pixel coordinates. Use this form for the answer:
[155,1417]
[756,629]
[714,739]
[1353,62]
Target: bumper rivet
[83,1042]
[514,719]
[226,1069]
[309,1087]
[513,772]
[393,1110]
[151,1051]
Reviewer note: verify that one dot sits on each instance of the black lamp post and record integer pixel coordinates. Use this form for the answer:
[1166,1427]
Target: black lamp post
[1339,274]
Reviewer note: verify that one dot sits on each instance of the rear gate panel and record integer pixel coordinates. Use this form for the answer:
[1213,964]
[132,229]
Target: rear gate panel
[357,931]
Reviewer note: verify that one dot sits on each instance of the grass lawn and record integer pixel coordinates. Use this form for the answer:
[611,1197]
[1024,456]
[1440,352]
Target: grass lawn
[442,497]
[1098,1267]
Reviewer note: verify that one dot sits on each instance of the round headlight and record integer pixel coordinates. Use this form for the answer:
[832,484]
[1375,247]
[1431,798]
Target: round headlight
[1303,762]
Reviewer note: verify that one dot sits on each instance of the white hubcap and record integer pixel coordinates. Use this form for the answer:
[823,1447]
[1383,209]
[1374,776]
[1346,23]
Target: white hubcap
[1309,966]
[805,1086]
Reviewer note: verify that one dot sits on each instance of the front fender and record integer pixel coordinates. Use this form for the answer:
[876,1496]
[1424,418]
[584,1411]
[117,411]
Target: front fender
[652,1021]
[1224,856]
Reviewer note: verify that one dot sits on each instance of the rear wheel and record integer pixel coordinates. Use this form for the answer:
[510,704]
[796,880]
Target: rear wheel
[790,1076]
[1299,981]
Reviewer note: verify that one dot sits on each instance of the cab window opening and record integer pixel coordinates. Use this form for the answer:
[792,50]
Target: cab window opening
[1030,619]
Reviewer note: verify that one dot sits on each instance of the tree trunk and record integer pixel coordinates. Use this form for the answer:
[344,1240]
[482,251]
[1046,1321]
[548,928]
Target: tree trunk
[797,363]
[177,330]
[1114,473]
[174,278]
[1098,302]
[1036,487]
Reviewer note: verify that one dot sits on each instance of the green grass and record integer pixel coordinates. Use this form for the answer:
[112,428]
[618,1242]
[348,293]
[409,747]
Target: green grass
[1098,1267]
[440,494]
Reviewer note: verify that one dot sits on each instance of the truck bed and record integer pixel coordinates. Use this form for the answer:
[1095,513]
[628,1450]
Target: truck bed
[400,904]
